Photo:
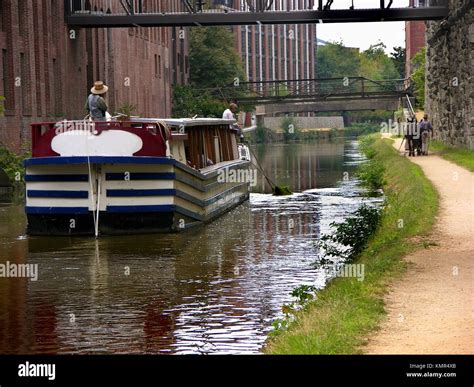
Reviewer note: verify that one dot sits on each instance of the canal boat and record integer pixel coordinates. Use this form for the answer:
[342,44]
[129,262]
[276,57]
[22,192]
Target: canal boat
[133,176]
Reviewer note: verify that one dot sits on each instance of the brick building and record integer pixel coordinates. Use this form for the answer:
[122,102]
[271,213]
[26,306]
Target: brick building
[47,70]
[414,39]
[276,52]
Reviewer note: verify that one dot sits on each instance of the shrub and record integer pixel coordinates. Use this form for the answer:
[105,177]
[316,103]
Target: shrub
[349,237]
[371,175]
[290,131]
[11,163]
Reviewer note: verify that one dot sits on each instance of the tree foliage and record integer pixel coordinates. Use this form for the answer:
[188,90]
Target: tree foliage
[334,60]
[188,102]
[213,60]
[11,162]
[375,64]
[214,63]
[398,57]
[418,77]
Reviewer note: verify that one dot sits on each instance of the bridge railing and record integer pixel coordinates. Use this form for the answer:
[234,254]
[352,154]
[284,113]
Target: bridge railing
[319,89]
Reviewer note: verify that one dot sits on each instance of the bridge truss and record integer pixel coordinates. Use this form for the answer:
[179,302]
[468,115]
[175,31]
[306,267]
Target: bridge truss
[145,13]
[311,90]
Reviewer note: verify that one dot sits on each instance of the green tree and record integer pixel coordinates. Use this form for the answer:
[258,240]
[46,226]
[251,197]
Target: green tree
[213,60]
[375,64]
[188,102]
[398,57]
[214,64]
[418,77]
[334,60]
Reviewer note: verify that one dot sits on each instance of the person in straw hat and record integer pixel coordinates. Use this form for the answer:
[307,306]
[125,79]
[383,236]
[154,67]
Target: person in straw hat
[95,104]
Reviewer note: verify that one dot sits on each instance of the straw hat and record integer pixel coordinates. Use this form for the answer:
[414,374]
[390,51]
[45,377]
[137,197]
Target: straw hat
[99,88]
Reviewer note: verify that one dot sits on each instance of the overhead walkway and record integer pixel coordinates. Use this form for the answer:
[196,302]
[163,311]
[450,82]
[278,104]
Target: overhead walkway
[142,13]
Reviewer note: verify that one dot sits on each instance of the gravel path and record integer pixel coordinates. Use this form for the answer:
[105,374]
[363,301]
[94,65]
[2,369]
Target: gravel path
[431,309]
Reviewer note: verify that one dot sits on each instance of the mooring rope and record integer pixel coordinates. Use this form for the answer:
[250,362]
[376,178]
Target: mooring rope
[96,228]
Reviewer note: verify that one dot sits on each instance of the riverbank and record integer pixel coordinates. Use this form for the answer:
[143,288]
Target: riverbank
[265,135]
[348,310]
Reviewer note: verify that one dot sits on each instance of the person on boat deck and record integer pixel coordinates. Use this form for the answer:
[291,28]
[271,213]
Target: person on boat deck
[229,114]
[95,104]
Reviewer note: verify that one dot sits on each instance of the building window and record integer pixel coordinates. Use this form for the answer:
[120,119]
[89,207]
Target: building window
[159,66]
[23,18]
[2,16]
[163,36]
[57,79]
[7,81]
[25,85]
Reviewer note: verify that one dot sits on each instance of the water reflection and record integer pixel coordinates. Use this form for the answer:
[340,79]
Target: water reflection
[302,166]
[212,289]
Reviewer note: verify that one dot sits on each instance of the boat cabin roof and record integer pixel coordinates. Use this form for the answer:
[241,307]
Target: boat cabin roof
[187,122]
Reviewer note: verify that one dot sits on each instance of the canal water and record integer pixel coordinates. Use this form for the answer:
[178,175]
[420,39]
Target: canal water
[215,289]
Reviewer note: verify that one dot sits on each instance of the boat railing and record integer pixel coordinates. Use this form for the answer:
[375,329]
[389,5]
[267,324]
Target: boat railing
[153,134]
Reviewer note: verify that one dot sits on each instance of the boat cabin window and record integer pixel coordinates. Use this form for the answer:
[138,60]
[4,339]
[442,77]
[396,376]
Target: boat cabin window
[208,145]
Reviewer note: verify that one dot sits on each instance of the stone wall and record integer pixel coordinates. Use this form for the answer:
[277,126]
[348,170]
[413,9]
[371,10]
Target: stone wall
[274,123]
[450,75]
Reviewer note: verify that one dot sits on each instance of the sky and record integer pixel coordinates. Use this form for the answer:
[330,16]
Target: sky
[362,35]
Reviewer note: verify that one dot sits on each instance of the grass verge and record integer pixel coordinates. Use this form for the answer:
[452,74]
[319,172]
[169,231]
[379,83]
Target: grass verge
[461,156]
[348,310]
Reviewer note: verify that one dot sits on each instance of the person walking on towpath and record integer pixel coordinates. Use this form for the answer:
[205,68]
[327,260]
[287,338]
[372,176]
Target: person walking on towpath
[410,135]
[425,129]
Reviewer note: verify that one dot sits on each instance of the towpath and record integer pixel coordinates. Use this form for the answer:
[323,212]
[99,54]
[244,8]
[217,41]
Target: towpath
[431,309]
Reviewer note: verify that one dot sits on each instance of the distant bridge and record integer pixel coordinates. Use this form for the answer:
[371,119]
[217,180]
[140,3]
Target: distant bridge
[317,95]
[140,13]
